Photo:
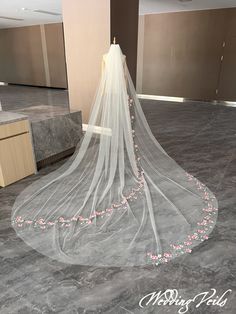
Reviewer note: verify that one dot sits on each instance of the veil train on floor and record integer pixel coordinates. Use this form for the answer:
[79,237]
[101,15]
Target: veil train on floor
[120,200]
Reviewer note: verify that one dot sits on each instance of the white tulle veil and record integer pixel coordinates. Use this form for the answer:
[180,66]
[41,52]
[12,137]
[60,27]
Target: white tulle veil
[120,200]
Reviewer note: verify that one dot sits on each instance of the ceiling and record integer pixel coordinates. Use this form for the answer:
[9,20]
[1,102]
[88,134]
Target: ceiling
[160,6]
[13,9]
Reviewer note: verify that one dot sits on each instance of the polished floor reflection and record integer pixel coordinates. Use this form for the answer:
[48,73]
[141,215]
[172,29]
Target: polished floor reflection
[201,137]
[36,102]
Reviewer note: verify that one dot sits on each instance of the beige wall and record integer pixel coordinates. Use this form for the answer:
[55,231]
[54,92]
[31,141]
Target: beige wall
[33,55]
[182,53]
[87,38]
[21,56]
[56,54]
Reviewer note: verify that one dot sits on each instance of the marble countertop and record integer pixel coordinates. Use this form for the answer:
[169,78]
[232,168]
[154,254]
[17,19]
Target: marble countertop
[10,117]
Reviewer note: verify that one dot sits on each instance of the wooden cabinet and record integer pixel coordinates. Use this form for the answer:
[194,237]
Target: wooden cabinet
[16,152]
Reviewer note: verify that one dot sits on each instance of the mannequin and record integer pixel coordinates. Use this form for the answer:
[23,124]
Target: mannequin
[104,57]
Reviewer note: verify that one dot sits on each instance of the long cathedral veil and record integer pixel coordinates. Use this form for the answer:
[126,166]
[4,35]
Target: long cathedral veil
[120,200]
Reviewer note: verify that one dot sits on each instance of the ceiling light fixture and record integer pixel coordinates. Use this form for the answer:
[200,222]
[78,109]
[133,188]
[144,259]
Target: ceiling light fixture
[11,18]
[47,12]
[41,11]
[184,1]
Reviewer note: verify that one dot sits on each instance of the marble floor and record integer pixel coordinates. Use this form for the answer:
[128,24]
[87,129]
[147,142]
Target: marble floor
[201,137]
[55,130]
[36,102]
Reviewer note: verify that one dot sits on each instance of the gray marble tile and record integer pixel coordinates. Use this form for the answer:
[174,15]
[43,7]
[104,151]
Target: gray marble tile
[202,139]
[36,102]
[16,97]
[56,135]
[43,112]
[10,117]
[54,128]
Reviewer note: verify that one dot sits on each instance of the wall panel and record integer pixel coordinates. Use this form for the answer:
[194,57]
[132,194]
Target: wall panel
[124,26]
[56,54]
[182,53]
[23,55]
[227,78]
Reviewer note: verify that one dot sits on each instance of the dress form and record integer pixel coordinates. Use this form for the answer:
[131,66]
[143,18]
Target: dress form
[104,57]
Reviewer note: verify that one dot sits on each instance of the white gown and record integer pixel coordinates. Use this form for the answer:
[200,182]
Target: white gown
[120,200]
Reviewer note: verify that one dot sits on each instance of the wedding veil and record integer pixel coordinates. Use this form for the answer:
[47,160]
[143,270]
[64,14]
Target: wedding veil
[120,200]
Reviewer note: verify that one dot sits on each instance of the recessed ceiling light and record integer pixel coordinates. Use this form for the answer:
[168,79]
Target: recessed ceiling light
[25,9]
